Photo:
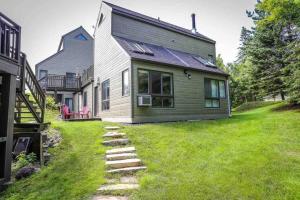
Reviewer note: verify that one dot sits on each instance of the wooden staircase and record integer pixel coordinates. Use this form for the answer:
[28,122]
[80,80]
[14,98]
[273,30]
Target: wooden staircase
[30,107]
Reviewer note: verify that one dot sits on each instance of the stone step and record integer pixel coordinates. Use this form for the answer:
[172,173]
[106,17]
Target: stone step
[110,198]
[114,135]
[121,150]
[121,156]
[116,142]
[118,187]
[116,164]
[111,128]
[128,170]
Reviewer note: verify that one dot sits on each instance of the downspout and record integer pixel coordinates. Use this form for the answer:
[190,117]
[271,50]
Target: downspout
[93,111]
[228,98]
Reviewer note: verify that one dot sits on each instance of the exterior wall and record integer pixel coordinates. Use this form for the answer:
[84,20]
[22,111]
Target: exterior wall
[76,56]
[189,97]
[139,31]
[90,96]
[110,61]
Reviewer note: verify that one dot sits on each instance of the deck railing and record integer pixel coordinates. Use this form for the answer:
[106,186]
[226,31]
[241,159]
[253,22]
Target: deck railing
[60,83]
[87,75]
[10,37]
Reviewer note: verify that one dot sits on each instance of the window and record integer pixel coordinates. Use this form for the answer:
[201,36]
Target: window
[159,85]
[81,37]
[43,73]
[100,20]
[125,82]
[214,91]
[84,99]
[105,95]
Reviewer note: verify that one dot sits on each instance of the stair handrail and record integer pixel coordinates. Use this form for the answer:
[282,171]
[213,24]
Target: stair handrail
[27,77]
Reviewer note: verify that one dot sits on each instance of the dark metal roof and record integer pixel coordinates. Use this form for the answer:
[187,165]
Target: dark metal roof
[169,56]
[137,16]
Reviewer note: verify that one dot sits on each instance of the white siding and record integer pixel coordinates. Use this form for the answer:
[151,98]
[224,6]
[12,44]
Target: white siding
[110,61]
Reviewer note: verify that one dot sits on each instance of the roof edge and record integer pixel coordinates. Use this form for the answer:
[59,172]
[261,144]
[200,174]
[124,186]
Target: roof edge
[155,23]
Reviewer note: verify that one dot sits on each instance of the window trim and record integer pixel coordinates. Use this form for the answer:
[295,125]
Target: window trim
[150,87]
[108,80]
[215,98]
[123,94]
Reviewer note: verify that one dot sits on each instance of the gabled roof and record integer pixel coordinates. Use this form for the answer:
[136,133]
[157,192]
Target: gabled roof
[79,28]
[146,19]
[159,54]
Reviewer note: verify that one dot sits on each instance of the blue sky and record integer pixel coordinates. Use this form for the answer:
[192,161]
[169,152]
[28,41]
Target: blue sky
[44,22]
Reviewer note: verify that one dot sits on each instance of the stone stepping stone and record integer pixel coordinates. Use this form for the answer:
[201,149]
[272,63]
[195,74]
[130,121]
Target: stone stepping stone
[127,170]
[118,187]
[116,164]
[114,135]
[121,150]
[109,198]
[128,179]
[112,128]
[121,156]
[116,142]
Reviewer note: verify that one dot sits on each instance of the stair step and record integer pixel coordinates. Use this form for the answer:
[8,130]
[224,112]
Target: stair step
[116,142]
[116,164]
[110,198]
[111,128]
[113,135]
[127,169]
[121,156]
[121,150]
[118,187]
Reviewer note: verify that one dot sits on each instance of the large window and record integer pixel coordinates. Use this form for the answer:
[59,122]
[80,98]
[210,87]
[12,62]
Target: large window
[105,95]
[159,85]
[125,83]
[214,91]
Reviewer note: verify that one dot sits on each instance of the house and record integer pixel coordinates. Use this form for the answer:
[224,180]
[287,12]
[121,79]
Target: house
[21,116]
[148,70]
[59,73]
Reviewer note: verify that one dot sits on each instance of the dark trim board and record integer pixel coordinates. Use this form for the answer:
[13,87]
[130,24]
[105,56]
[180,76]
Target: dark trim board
[8,67]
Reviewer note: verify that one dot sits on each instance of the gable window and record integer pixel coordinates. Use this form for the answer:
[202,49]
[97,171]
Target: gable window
[214,91]
[81,37]
[159,85]
[125,83]
[105,95]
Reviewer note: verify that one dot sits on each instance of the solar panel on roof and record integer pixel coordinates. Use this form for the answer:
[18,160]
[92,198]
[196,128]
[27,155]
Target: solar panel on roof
[203,61]
[140,48]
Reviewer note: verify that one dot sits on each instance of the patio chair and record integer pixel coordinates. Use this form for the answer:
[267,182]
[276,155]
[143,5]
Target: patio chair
[85,113]
[66,113]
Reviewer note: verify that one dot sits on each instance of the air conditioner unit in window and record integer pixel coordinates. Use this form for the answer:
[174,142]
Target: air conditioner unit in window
[145,100]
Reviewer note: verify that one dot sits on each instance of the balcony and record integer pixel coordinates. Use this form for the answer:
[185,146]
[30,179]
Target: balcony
[60,83]
[87,76]
[10,35]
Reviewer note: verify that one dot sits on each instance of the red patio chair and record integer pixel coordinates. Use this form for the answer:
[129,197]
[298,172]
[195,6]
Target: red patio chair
[85,113]
[66,113]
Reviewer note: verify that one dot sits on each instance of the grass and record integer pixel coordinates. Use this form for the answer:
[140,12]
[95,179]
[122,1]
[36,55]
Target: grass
[253,155]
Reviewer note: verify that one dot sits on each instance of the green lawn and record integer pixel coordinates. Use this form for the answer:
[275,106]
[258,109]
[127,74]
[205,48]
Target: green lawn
[253,155]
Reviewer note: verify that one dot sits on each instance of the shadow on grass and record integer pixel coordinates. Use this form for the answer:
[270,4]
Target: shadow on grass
[287,107]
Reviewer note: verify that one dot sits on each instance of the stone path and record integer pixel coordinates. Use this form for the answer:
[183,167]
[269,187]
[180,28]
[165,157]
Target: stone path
[122,162]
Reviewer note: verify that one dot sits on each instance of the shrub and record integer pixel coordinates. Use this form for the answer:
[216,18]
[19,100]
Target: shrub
[25,160]
[50,103]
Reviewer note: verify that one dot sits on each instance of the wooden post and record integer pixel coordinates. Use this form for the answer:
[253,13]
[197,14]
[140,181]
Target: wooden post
[8,99]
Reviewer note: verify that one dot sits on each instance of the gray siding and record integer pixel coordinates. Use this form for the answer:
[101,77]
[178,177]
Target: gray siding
[188,96]
[136,30]
[76,56]
[110,61]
